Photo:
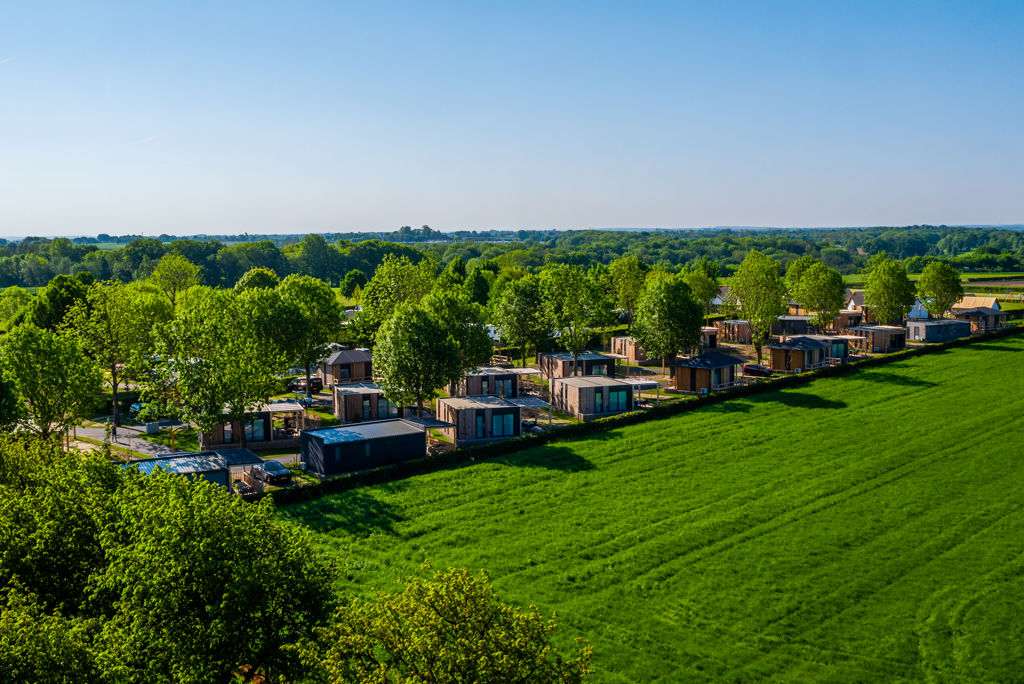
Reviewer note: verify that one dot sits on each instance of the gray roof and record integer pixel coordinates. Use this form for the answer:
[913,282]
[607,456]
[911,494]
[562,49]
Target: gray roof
[709,360]
[736,321]
[590,381]
[878,328]
[344,356]
[940,321]
[476,401]
[358,388]
[798,343]
[793,317]
[193,462]
[358,432]
[497,370]
[979,311]
[585,356]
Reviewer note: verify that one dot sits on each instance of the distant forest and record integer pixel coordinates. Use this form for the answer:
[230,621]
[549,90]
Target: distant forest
[34,261]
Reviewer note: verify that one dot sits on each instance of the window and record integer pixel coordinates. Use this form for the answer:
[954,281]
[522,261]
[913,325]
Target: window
[599,369]
[485,385]
[502,424]
[718,378]
[385,407]
[228,434]
[480,425]
[504,388]
[598,401]
[617,400]
[254,430]
[366,408]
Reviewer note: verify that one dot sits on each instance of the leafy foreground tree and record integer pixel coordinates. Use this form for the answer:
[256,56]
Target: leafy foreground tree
[821,290]
[889,292]
[668,316]
[415,356]
[108,575]
[53,378]
[761,292]
[573,305]
[453,628]
[464,320]
[940,288]
[519,313]
[320,320]
[174,274]
[397,280]
[627,280]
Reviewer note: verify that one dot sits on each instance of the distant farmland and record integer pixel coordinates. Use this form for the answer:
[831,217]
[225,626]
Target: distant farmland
[862,528]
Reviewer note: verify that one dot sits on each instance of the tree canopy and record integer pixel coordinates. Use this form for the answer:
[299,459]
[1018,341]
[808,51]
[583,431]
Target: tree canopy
[668,317]
[889,292]
[761,292]
[940,288]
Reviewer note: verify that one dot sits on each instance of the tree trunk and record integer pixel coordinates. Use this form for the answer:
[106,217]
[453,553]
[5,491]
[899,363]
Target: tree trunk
[524,354]
[309,392]
[419,408]
[113,384]
[241,432]
[757,350]
[203,438]
[575,363]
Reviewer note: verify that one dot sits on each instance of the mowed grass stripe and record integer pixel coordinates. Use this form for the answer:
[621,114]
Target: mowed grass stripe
[828,532]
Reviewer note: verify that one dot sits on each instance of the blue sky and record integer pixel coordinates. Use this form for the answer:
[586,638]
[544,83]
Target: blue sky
[227,117]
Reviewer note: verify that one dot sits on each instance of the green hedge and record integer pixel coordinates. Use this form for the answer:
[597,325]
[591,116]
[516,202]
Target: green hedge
[469,454]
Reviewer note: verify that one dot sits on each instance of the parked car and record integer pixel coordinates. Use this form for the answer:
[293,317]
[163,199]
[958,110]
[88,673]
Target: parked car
[272,472]
[757,370]
[299,385]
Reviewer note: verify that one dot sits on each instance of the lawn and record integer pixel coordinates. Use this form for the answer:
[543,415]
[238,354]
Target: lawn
[184,439]
[862,528]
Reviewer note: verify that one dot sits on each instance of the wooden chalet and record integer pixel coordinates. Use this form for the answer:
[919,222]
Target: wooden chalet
[937,329]
[479,418]
[559,364]
[363,401]
[878,338]
[346,366]
[491,380]
[591,397]
[707,372]
[982,319]
[791,324]
[734,331]
[274,426]
[798,354]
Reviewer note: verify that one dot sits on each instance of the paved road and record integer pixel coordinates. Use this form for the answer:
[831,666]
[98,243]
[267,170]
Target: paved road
[127,437]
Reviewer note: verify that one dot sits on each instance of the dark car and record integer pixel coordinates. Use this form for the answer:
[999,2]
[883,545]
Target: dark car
[757,370]
[299,385]
[272,472]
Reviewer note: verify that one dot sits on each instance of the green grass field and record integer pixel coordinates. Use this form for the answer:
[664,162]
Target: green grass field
[862,528]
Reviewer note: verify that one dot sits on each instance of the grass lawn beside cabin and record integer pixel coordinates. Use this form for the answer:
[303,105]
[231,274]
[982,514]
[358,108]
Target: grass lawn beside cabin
[185,439]
[868,527]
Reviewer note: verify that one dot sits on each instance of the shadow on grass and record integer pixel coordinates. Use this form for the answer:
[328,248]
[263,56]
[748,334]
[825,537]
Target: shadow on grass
[355,511]
[982,346]
[550,457]
[894,379]
[800,400]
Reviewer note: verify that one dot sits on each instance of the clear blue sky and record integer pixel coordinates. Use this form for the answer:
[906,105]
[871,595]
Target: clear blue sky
[293,116]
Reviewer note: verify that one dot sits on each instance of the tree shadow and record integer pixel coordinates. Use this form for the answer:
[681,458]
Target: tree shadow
[990,347]
[894,379]
[801,400]
[355,511]
[551,457]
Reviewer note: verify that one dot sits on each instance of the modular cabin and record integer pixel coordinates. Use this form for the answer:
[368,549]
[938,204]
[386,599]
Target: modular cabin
[792,325]
[273,426]
[592,397]
[847,319]
[968,302]
[559,364]
[346,366]
[709,337]
[361,446]
[879,338]
[221,467]
[798,354]
[734,331]
[937,329]
[837,347]
[479,418]
[363,401]
[633,353]
[982,319]
[707,372]
[492,380]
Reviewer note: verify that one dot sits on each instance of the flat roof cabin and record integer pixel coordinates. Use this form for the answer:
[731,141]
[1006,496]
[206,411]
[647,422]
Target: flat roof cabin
[879,338]
[480,418]
[798,354]
[707,372]
[361,446]
[735,330]
[559,364]
[982,319]
[218,466]
[492,380]
[363,401]
[937,329]
[591,397]
[790,324]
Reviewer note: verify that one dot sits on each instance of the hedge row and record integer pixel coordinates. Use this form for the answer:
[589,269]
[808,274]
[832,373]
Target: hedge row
[469,454]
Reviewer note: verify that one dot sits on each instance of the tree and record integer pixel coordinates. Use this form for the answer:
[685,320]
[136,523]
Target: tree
[795,271]
[940,287]
[174,274]
[627,279]
[320,323]
[668,317]
[569,305]
[396,280]
[41,648]
[54,378]
[453,628]
[702,277]
[762,294]
[464,321]
[12,300]
[258,277]
[51,305]
[353,279]
[889,292]
[821,290]
[415,356]
[519,313]
[114,323]
[10,406]
[478,285]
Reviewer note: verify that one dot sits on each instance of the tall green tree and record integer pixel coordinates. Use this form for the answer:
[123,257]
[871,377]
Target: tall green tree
[627,275]
[519,313]
[320,323]
[702,277]
[888,293]
[174,274]
[414,356]
[761,292]
[795,270]
[571,305]
[397,280]
[115,323]
[668,316]
[55,379]
[452,628]
[258,277]
[463,318]
[821,290]
[353,280]
[940,287]
[50,306]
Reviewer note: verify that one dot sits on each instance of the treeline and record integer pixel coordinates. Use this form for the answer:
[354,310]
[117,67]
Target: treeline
[33,262]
